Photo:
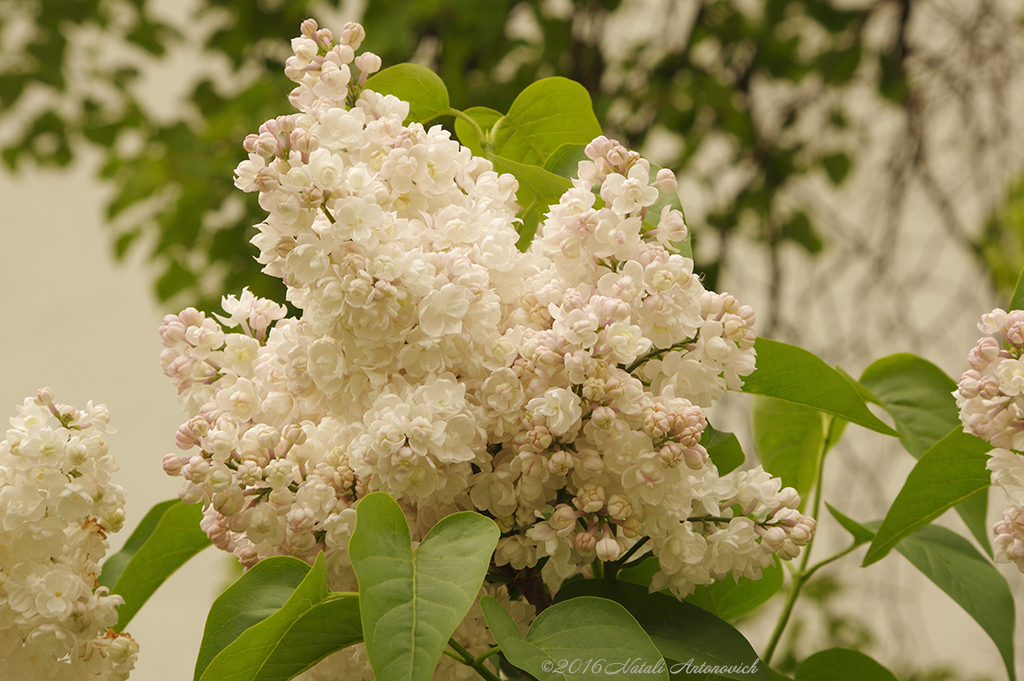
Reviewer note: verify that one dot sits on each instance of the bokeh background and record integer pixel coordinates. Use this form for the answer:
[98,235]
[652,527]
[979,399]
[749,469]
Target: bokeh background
[852,168]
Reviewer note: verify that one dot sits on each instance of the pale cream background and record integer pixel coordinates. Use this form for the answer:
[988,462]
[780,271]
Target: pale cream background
[72,320]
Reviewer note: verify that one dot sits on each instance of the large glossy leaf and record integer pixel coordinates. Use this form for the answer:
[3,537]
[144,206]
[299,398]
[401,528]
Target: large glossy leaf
[918,394]
[116,563]
[312,624]
[919,397]
[565,160]
[793,374]
[542,184]
[956,567]
[568,639]
[729,599]
[841,664]
[546,115]
[171,543]
[681,631]
[790,441]
[418,85]
[412,600]
[255,596]
[948,473]
[723,448]
[538,189]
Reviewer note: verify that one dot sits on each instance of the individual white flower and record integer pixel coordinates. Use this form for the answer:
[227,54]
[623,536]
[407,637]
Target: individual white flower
[561,409]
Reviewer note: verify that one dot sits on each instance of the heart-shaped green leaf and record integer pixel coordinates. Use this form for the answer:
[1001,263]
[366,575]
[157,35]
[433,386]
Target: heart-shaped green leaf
[312,624]
[412,600]
[793,374]
[546,115]
[174,539]
[255,596]
[580,638]
[947,474]
[681,631]
[418,85]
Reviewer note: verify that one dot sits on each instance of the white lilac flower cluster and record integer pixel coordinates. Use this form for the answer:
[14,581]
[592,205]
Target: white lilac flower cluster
[990,396]
[57,504]
[559,391]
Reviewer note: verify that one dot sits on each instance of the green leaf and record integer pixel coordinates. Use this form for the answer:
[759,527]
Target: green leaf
[542,184]
[837,166]
[730,599]
[956,567]
[723,448]
[418,85]
[840,664]
[570,637]
[256,595]
[412,600]
[681,631]
[861,534]
[670,199]
[169,545]
[546,115]
[485,118]
[948,473]
[790,440]
[640,574]
[793,374]
[919,397]
[312,624]
[115,564]
[538,188]
[798,229]
[565,160]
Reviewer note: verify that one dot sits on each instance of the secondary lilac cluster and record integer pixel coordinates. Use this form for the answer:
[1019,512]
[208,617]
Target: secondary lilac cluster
[57,504]
[991,404]
[558,391]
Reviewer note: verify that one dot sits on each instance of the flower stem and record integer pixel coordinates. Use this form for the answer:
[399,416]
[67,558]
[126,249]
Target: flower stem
[612,569]
[476,663]
[802,574]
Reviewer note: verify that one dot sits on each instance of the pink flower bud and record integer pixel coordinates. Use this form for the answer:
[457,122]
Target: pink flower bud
[619,507]
[563,517]
[586,542]
[607,549]
[173,464]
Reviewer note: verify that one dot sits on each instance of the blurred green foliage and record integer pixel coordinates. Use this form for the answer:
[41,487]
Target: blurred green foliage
[1002,241]
[765,82]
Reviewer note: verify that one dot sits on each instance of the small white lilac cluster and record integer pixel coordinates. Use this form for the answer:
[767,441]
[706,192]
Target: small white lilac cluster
[559,391]
[57,504]
[990,396]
